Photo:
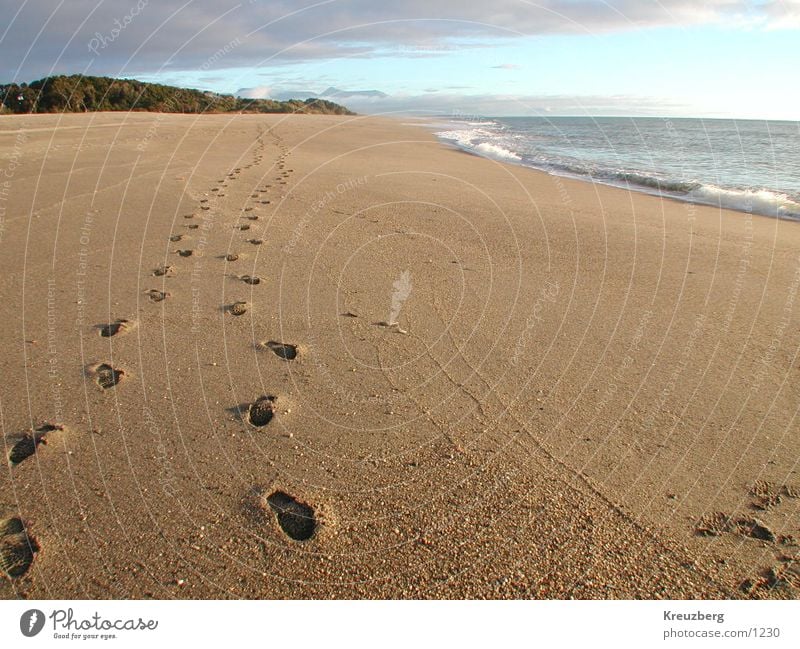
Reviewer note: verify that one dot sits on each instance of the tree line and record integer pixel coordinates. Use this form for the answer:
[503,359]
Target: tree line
[79,94]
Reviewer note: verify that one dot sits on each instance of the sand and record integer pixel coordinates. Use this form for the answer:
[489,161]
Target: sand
[417,374]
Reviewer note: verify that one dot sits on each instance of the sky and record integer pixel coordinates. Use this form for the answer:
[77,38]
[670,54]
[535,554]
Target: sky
[681,58]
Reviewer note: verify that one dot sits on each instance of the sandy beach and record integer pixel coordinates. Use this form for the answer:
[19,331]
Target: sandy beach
[250,356]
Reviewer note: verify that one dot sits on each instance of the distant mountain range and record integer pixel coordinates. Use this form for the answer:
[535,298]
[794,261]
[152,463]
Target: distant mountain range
[331,93]
[77,94]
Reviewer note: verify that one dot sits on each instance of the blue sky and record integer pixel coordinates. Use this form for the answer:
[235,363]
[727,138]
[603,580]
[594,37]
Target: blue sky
[720,58]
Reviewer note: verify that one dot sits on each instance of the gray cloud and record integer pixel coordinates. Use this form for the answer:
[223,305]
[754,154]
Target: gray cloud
[130,37]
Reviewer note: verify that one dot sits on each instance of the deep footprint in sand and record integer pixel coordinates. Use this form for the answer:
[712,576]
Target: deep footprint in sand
[286,351]
[114,328]
[157,296]
[244,226]
[249,279]
[255,242]
[17,548]
[27,445]
[296,519]
[106,376]
[176,237]
[261,411]
[185,253]
[231,256]
[164,271]
[238,308]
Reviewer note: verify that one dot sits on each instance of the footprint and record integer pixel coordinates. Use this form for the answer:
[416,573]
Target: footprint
[176,237]
[286,351]
[244,226]
[26,446]
[114,328]
[185,253]
[718,523]
[205,207]
[296,519]
[162,271]
[248,279]
[238,308]
[252,217]
[231,256]
[18,548]
[255,242]
[261,411]
[265,202]
[188,216]
[105,376]
[193,226]
[156,296]
[204,200]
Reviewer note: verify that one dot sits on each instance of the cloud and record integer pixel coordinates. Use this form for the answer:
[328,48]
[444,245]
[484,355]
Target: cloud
[259,92]
[507,66]
[283,94]
[129,37]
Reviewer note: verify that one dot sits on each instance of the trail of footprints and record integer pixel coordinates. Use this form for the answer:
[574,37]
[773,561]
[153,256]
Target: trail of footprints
[296,519]
[784,576]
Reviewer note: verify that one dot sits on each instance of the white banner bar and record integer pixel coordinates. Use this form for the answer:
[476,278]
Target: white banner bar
[486,625]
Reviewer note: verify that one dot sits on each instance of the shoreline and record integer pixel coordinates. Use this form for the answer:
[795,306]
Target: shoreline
[587,394]
[650,187]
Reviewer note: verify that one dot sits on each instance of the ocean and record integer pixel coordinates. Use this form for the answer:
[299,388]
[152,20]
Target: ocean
[746,165]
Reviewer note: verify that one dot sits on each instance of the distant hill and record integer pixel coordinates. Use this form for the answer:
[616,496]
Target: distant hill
[78,94]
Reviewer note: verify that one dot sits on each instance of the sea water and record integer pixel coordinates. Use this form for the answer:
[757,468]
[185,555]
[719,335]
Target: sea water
[746,165]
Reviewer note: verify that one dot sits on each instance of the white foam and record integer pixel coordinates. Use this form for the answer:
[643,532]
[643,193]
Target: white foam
[756,201]
[474,139]
[496,151]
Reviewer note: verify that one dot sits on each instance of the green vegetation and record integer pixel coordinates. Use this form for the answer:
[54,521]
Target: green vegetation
[78,94]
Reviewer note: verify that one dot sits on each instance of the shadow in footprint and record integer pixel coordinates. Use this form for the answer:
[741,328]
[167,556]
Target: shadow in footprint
[237,308]
[157,296]
[106,376]
[162,271]
[27,445]
[17,548]
[113,328]
[284,350]
[250,279]
[261,411]
[297,520]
